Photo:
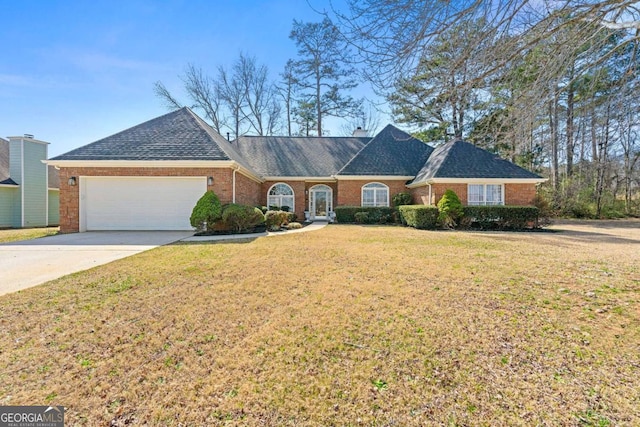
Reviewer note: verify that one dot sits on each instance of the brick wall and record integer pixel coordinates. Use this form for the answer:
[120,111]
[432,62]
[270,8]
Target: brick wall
[350,192]
[222,186]
[519,194]
[299,196]
[437,191]
[247,190]
[514,194]
[421,195]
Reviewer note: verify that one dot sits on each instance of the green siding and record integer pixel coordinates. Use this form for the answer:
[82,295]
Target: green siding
[15,172]
[35,192]
[54,207]
[8,197]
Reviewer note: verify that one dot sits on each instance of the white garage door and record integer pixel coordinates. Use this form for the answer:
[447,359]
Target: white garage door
[137,203]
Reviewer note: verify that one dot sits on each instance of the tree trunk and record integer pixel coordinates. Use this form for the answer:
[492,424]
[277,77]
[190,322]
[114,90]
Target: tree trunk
[570,142]
[602,160]
[553,125]
[594,137]
[318,105]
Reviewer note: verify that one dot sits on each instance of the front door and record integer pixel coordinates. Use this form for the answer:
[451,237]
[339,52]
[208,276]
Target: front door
[320,200]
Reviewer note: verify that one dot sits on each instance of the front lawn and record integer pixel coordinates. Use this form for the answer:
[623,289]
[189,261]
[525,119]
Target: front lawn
[17,234]
[347,325]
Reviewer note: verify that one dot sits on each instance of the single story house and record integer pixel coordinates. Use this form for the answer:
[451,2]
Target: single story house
[29,189]
[150,176]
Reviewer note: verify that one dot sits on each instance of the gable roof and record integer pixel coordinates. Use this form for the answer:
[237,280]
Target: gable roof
[298,156]
[390,152]
[179,135]
[460,159]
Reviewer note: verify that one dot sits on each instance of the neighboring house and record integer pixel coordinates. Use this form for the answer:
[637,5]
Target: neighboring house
[150,176]
[29,189]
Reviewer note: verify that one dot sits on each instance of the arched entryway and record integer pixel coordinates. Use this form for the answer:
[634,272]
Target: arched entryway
[320,202]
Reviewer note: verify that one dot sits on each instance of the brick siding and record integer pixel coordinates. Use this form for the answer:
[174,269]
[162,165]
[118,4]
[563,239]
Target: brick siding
[519,194]
[350,192]
[514,194]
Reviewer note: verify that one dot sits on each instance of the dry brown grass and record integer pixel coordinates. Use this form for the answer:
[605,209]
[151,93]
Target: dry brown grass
[344,326]
[14,235]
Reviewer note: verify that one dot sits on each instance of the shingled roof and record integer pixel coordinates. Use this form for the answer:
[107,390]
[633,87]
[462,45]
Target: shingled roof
[179,135]
[391,152]
[298,156]
[460,159]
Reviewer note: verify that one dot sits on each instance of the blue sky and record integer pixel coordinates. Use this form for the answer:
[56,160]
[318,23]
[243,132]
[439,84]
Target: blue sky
[73,72]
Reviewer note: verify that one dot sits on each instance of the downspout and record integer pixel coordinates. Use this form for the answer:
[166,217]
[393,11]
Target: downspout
[46,187]
[235,169]
[22,184]
[430,199]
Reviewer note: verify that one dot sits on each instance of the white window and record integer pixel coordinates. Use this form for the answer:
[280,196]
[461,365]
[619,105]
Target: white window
[485,194]
[375,194]
[281,195]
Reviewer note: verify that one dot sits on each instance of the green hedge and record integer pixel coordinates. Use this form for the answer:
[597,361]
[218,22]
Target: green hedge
[500,217]
[379,215]
[241,217]
[419,216]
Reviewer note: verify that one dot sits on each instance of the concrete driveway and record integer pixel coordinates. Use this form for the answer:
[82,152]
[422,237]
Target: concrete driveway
[32,262]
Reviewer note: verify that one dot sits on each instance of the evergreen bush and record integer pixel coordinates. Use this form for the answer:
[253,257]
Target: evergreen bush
[419,216]
[450,209]
[241,217]
[206,212]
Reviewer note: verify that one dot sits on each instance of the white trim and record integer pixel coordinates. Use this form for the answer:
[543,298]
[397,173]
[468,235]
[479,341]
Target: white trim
[211,164]
[478,181]
[233,178]
[300,178]
[53,189]
[312,195]
[375,190]
[10,185]
[142,163]
[484,194]
[293,196]
[373,177]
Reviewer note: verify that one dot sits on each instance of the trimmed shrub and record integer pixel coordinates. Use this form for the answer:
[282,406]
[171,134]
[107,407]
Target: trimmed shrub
[294,225]
[274,220]
[402,199]
[501,217]
[362,218]
[419,216]
[206,212]
[450,209]
[242,217]
[379,215]
[291,217]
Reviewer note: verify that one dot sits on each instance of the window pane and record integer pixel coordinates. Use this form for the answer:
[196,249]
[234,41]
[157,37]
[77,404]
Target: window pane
[381,197]
[375,185]
[287,201]
[494,194]
[368,197]
[281,189]
[476,194]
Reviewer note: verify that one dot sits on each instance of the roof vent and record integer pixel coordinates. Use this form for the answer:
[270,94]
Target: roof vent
[28,135]
[359,132]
